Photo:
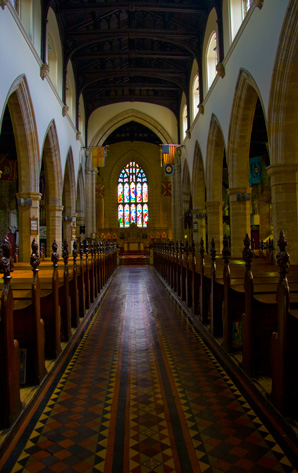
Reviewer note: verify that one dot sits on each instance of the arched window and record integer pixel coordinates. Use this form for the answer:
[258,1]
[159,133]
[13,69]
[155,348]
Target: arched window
[211,59]
[132,196]
[238,10]
[16,5]
[195,96]
[52,62]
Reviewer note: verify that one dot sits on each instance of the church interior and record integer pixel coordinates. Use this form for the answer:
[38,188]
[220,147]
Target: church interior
[148,236]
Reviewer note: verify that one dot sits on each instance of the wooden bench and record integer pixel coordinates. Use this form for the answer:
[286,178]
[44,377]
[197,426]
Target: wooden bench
[9,347]
[29,324]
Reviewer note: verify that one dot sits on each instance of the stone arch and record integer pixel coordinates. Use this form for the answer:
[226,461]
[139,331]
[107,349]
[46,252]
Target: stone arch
[198,196]
[53,185]
[80,201]
[214,174]
[126,117]
[214,159]
[186,200]
[242,116]
[241,124]
[24,126]
[68,198]
[28,159]
[52,163]
[282,133]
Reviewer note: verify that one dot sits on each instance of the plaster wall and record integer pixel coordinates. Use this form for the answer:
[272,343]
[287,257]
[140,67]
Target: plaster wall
[46,104]
[255,53]
[161,114]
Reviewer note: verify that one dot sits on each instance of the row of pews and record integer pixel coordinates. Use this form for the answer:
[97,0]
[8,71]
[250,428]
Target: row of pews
[250,307]
[40,305]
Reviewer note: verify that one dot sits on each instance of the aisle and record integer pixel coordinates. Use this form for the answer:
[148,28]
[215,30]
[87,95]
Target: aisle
[143,394]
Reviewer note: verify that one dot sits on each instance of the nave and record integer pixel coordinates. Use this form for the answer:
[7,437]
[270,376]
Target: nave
[143,393]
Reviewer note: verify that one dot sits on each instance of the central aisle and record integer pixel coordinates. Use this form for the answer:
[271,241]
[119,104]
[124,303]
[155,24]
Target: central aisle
[141,394]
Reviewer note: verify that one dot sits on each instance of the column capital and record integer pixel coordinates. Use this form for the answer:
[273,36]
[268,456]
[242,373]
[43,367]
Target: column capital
[283,173]
[239,194]
[215,205]
[29,195]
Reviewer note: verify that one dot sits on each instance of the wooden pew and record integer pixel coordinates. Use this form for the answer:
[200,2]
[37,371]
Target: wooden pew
[81,283]
[74,289]
[87,278]
[64,297]
[189,251]
[28,323]
[9,348]
[284,352]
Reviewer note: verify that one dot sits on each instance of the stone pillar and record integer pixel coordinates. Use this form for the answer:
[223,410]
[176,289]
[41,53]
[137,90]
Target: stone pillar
[177,218]
[67,228]
[240,209]
[199,225]
[284,193]
[25,214]
[54,227]
[90,219]
[214,224]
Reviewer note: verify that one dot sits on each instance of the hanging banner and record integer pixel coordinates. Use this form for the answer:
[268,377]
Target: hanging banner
[98,156]
[255,170]
[169,170]
[166,188]
[168,154]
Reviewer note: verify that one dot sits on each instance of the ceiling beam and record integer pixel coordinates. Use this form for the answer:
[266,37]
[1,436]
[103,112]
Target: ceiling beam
[127,6]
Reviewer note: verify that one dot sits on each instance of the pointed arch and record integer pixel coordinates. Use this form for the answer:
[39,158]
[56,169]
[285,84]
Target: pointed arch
[126,117]
[68,198]
[186,187]
[80,201]
[69,185]
[25,132]
[242,117]
[199,195]
[53,186]
[282,133]
[214,160]
[214,176]
[283,105]
[52,165]
[198,179]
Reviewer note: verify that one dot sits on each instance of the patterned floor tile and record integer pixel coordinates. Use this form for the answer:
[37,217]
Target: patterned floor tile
[143,393]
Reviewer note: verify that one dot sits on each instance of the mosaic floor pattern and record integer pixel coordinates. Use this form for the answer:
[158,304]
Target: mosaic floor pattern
[142,393]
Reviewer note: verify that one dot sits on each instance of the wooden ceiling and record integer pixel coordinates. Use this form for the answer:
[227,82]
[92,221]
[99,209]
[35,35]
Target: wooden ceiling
[132,50]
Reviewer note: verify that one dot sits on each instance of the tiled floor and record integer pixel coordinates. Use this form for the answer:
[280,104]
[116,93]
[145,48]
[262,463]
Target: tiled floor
[142,394]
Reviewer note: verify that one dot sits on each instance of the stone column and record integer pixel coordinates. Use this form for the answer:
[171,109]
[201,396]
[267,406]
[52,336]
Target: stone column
[67,228]
[177,218]
[54,227]
[240,209]
[214,224]
[90,218]
[25,213]
[199,225]
[284,194]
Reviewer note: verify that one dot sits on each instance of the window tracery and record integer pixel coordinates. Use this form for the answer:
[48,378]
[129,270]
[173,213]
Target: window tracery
[132,196]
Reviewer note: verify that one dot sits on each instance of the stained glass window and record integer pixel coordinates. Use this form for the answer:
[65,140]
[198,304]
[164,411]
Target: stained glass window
[133,192]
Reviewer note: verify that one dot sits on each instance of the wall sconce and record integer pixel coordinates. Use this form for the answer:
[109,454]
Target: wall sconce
[24,202]
[67,219]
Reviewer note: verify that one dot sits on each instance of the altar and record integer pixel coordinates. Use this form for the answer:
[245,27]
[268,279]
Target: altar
[131,246]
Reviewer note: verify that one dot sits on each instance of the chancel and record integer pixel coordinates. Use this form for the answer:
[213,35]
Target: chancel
[148,236]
